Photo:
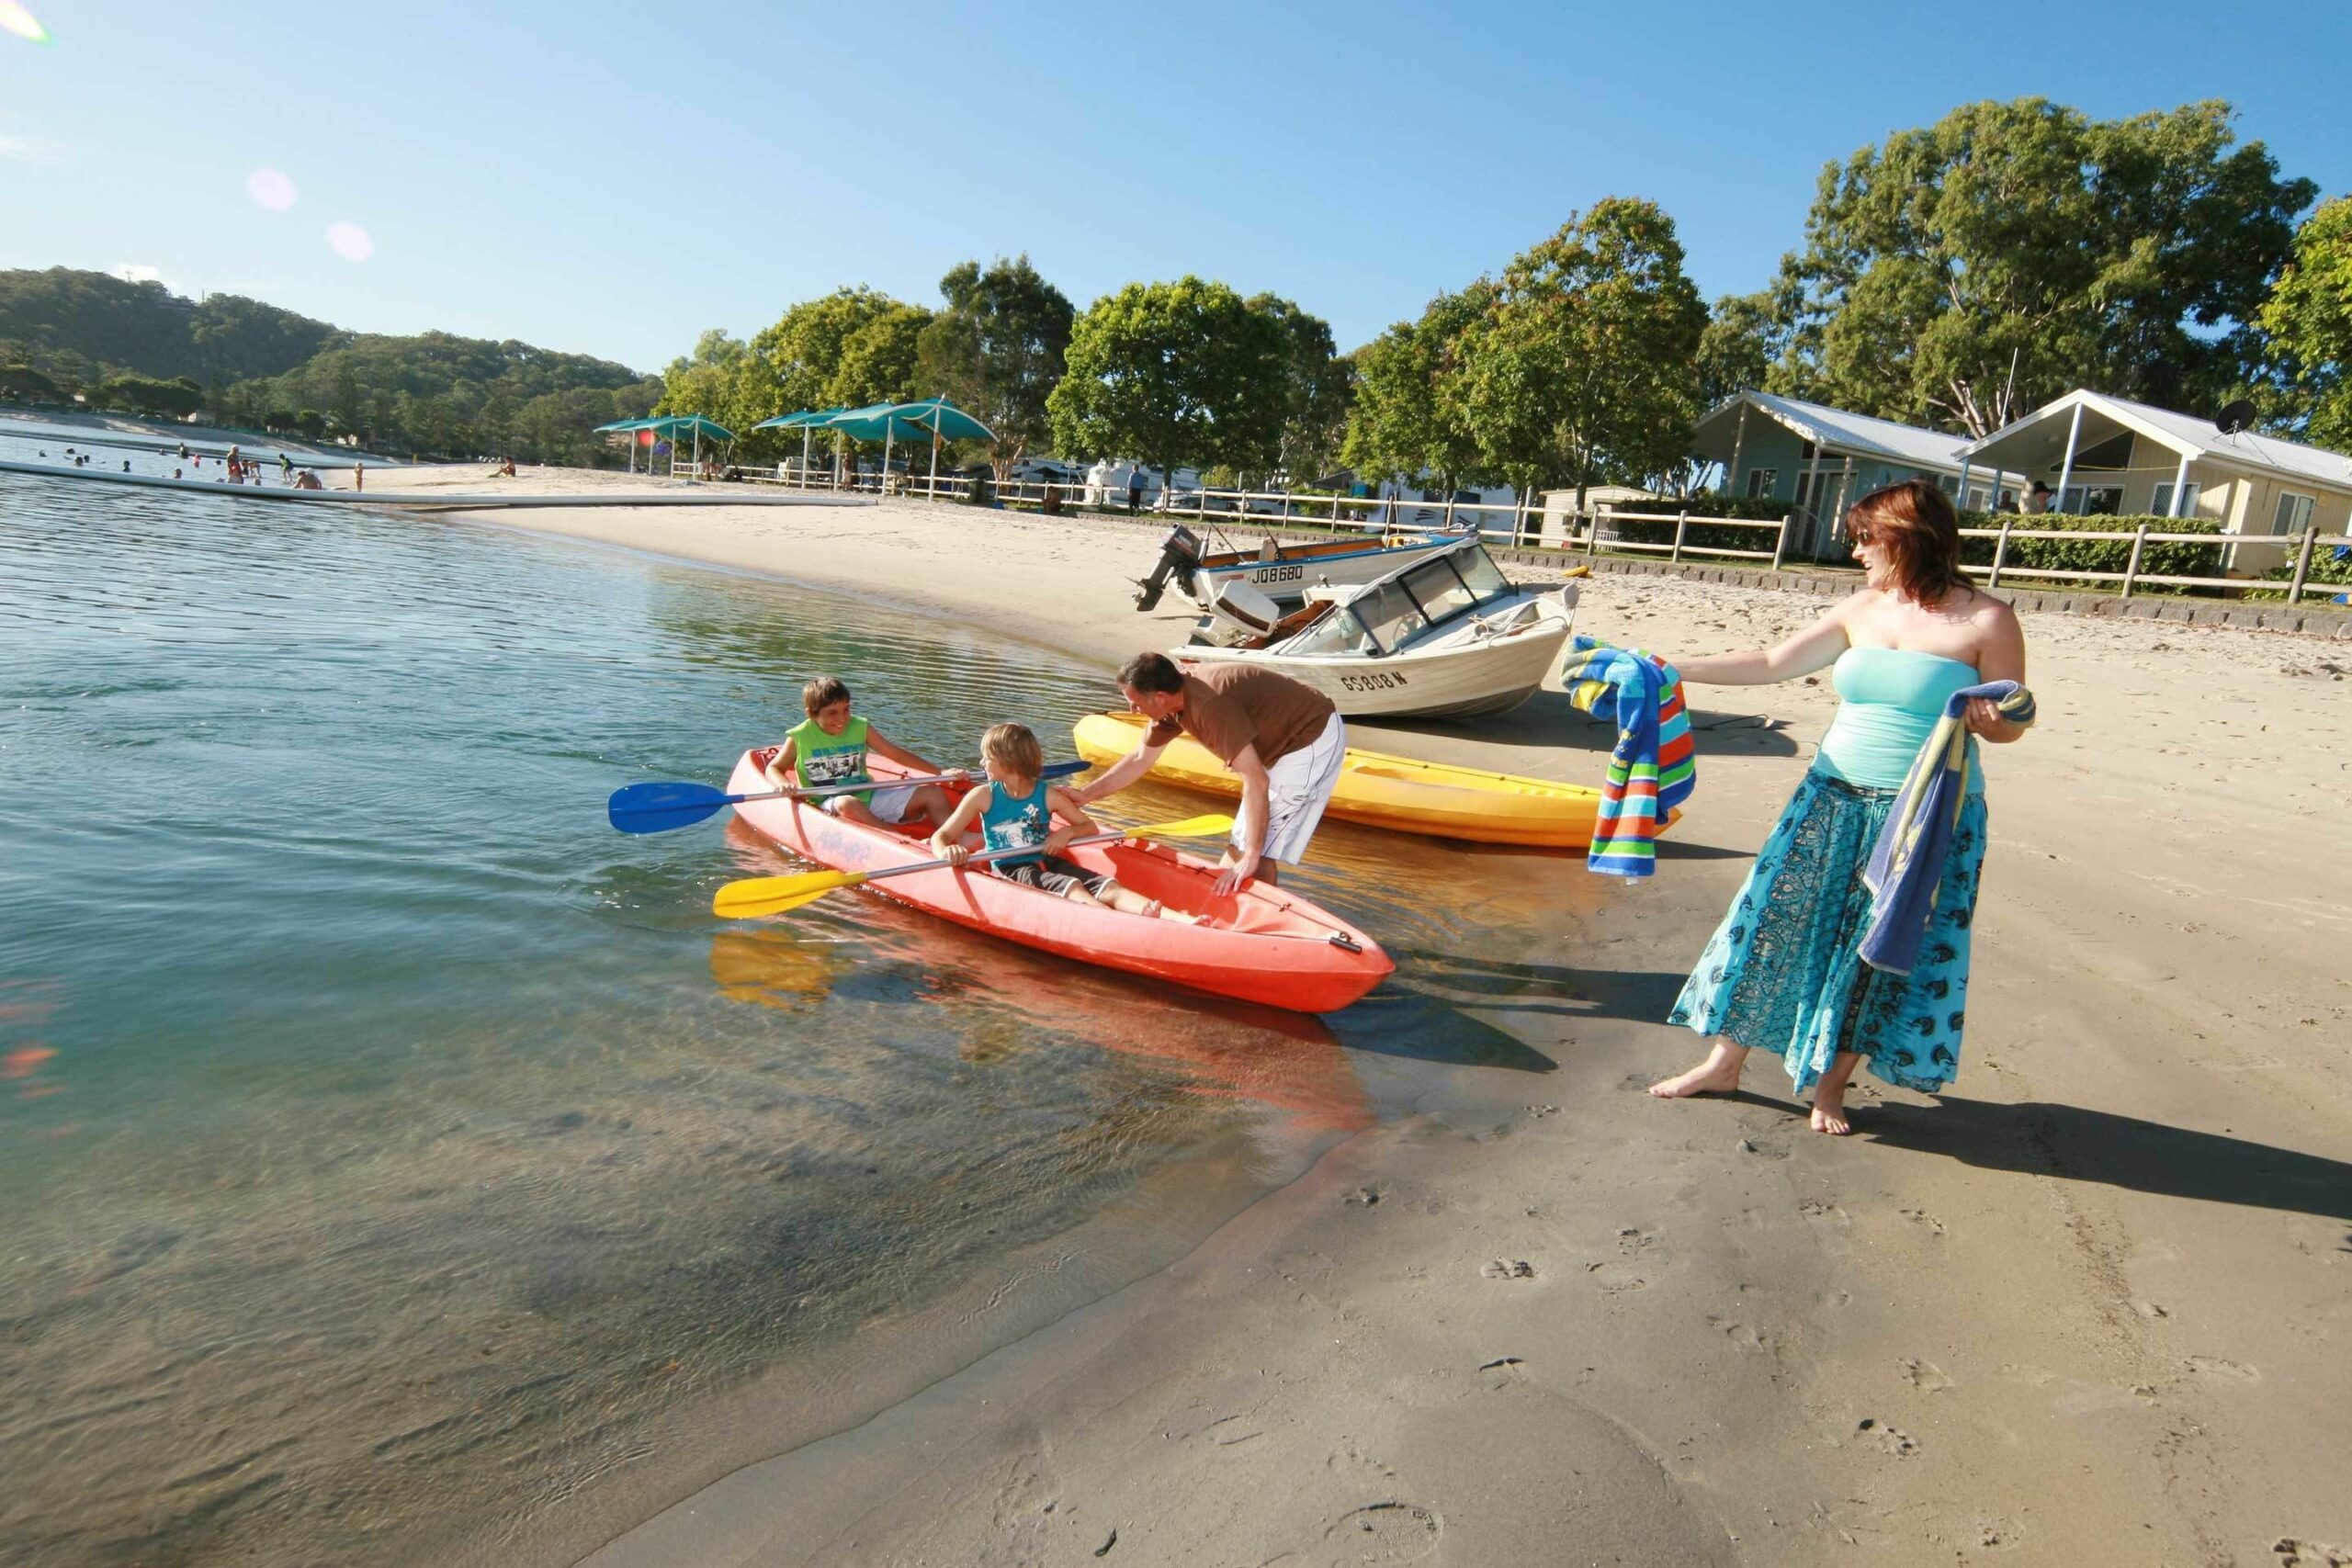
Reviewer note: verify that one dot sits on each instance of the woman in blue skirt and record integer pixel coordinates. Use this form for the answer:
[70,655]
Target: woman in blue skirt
[1783,973]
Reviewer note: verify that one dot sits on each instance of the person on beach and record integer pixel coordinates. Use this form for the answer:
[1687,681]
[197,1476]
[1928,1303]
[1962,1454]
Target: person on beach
[829,748]
[358,476]
[1782,972]
[1017,809]
[1282,737]
[1135,490]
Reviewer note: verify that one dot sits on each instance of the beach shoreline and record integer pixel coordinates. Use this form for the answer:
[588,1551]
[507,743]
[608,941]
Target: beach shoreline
[2092,1305]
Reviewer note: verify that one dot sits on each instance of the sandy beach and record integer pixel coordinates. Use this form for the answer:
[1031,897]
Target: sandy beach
[2093,1307]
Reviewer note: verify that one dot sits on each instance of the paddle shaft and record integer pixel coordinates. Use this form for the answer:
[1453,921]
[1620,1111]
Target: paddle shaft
[1058,770]
[984,857]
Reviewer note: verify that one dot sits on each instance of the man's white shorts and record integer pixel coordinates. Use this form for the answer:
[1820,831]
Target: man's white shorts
[1297,788]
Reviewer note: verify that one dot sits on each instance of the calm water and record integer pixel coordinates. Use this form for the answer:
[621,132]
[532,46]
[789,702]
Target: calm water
[395,1160]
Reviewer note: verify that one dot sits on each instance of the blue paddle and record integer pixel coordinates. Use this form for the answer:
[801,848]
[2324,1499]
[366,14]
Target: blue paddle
[658,808]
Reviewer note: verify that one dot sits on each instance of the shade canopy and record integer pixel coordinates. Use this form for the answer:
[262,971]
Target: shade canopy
[895,422]
[946,420]
[672,425]
[806,418]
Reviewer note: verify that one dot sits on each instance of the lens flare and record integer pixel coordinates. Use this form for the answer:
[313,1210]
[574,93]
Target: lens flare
[16,19]
[268,188]
[350,242]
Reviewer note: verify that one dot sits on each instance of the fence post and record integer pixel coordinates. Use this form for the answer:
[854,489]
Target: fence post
[2302,565]
[1519,523]
[2001,550]
[1681,523]
[1449,512]
[1592,532]
[1780,543]
[1202,496]
[2131,567]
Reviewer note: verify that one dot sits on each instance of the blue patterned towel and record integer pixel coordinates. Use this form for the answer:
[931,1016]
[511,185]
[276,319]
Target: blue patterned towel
[1908,860]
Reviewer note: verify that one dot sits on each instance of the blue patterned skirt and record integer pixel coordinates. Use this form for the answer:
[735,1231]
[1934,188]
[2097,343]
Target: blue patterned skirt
[1783,973]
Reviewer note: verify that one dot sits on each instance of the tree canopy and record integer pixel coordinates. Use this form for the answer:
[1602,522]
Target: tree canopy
[1175,373]
[98,324]
[1963,273]
[1583,367]
[1396,426]
[997,351]
[2309,320]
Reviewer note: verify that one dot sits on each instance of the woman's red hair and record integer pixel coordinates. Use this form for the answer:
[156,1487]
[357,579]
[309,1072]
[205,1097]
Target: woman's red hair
[1921,532]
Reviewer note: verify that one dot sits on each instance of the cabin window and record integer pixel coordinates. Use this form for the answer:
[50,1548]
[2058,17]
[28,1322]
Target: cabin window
[1761,481]
[2160,502]
[2092,500]
[2295,514]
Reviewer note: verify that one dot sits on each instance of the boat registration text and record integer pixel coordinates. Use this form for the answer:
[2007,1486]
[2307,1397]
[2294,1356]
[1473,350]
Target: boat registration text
[1376,681]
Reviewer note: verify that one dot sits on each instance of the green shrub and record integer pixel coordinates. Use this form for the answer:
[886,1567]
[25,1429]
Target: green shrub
[2157,559]
[1698,534]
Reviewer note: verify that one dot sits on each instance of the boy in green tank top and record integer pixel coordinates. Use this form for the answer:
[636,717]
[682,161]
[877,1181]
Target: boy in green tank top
[829,748]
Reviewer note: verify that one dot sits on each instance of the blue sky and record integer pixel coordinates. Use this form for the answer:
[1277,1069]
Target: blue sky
[585,177]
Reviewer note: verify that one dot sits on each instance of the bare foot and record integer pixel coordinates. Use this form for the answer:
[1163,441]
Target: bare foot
[1829,1111]
[1719,1074]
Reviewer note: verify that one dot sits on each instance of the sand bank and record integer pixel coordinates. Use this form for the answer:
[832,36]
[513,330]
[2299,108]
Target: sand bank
[2093,1307]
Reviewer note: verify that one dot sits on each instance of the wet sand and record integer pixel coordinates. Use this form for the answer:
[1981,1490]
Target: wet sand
[2094,1306]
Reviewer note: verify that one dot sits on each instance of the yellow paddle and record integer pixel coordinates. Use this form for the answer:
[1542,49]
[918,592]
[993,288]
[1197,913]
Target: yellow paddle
[774,894]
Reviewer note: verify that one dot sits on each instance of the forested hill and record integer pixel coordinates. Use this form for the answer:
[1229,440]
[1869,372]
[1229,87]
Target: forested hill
[91,339]
[77,326]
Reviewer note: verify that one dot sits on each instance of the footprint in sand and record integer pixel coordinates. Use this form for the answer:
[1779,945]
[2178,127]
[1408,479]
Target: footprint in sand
[1901,1444]
[2222,1370]
[1925,1376]
[2294,1553]
[1507,1269]
[1925,1221]
[1387,1532]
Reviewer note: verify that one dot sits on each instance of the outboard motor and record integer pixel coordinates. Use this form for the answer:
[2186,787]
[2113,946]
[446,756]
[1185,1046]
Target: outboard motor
[1180,552]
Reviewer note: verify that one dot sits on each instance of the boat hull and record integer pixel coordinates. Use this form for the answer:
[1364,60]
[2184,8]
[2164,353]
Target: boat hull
[1463,679]
[1401,794]
[1268,945]
[1297,568]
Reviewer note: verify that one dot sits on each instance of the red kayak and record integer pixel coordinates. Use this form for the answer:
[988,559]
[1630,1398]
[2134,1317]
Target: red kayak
[1263,944]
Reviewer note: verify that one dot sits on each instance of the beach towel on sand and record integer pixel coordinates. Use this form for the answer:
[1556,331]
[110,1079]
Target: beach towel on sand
[1908,860]
[1651,770]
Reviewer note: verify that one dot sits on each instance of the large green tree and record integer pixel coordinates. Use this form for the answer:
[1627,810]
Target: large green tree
[1175,373]
[2309,318]
[1396,426]
[1584,370]
[997,352]
[1964,273]
[877,361]
[1320,385]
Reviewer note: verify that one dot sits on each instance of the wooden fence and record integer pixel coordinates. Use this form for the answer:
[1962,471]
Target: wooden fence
[1517,524]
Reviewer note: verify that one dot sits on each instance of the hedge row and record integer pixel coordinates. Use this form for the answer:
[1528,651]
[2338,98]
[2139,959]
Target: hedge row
[2157,559]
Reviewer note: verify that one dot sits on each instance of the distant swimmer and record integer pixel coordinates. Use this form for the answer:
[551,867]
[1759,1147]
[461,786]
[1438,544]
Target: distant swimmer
[126,465]
[306,480]
[175,473]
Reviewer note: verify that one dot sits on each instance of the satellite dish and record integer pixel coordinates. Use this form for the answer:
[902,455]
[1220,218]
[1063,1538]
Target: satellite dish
[2235,416]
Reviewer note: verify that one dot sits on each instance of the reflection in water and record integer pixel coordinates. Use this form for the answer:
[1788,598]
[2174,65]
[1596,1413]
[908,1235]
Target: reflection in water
[1003,999]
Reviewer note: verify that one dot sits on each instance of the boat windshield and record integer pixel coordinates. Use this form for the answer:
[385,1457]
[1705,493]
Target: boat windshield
[1389,613]
[1439,589]
[1337,632]
[1479,571]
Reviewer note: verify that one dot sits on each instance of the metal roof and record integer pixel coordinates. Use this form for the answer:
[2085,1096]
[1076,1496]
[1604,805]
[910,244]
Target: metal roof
[2186,434]
[1832,429]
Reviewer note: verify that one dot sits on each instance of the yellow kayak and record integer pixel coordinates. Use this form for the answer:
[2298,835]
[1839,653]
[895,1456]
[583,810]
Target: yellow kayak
[1397,793]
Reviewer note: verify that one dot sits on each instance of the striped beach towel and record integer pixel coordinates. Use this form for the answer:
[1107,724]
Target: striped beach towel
[1651,770]
[1907,862]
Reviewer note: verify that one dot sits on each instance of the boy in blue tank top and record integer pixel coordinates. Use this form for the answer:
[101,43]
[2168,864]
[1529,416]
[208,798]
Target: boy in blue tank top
[1015,809]
[829,748]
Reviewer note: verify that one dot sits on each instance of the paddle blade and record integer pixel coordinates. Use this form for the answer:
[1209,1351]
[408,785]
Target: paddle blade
[774,894]
[1204,826]
[658,808]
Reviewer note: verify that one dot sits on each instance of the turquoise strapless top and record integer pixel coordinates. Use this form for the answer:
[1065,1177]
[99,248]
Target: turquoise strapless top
[1890,699]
